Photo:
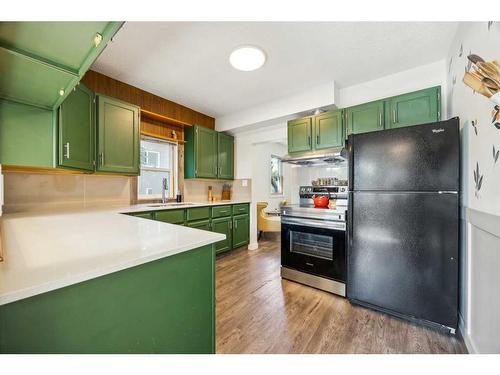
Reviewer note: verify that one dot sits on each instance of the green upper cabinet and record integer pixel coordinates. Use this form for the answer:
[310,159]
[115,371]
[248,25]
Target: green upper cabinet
[76,123]
[26,135]
[117,136]
[41,62]
[300,135]
[365,118]
[208,154]
[205,143]
[328,130]
[414,108]
[225,156]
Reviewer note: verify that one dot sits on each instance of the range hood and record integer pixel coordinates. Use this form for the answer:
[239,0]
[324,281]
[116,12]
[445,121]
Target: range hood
[333,156]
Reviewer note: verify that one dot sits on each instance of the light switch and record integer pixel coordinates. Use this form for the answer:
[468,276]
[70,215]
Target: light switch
[244,183]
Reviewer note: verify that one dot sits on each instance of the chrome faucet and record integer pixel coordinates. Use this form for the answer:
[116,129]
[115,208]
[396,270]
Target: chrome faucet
[164,190]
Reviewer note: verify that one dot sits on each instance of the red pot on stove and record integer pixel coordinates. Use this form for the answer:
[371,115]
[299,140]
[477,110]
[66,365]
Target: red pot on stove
[321,201]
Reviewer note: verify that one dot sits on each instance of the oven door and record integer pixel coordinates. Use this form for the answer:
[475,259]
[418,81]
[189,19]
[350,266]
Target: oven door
[314,246]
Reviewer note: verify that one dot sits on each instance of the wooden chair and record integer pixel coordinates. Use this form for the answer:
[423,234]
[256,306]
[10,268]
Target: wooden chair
[266,222]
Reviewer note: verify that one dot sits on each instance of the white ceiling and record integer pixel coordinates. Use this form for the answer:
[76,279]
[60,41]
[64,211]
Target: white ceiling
[188,62]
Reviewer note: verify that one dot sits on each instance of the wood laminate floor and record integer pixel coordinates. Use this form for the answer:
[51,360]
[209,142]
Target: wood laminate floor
[257,312]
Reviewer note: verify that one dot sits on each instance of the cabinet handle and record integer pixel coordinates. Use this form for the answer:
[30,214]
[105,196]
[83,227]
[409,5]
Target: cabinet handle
[230,224]
[66,152]
[317,139]
[235,224]
[101,158]
[393,116]
[380,120]
[309,140]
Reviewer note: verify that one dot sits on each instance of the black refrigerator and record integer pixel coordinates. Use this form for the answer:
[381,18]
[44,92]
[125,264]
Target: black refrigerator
[403,222]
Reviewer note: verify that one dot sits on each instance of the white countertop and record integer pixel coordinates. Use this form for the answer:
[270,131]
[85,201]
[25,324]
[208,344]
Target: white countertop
[47,251]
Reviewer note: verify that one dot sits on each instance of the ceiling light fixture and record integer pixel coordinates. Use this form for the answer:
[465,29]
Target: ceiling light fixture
[247,58]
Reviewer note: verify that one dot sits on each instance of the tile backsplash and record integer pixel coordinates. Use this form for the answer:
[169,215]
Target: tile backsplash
[39,192]
[197,190]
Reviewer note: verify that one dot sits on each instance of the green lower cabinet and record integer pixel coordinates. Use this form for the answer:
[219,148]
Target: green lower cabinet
[197,213]
[145,215]
[223,225]
[328,130]
[164,306]
[202,224]
[241,230]
[365,118]
[299,135]
[171,216]
[117,136]
[414,108]
[76,123]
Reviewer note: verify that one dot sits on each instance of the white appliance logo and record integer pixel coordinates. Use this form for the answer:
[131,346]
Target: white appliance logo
[437,130]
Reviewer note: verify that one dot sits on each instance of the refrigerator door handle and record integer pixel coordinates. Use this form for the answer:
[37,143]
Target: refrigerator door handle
[447,192]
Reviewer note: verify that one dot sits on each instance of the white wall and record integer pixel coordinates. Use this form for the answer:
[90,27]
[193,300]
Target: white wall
[320,96]
[480,260]
[261,180]
[253,150]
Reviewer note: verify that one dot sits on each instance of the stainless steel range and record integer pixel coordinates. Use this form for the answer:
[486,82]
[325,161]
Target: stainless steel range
[313,240]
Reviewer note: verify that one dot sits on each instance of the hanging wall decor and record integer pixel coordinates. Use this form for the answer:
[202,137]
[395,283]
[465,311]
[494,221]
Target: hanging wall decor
[495,116]
[496,153]
[484,77]
[478,180]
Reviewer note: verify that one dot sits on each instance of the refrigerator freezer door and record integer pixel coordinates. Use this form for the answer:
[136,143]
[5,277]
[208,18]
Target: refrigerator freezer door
[403,254]
[416,158]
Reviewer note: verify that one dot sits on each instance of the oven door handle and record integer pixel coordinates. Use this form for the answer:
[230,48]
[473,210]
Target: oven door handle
[313,223]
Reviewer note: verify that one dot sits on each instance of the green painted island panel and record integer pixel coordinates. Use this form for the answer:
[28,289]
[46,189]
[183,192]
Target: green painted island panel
[164,306]
[26,135]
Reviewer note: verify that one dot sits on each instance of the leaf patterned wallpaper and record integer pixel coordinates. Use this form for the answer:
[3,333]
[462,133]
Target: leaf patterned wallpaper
[479,117]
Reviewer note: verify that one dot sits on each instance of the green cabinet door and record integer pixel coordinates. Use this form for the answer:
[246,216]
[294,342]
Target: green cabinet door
[414,108]
[202,224]
[118,136]
[299,135]
[223,225]
[225,156]
[205,144]
[365,118]
[76,130]
[144,215]
[328,130]
[241,230]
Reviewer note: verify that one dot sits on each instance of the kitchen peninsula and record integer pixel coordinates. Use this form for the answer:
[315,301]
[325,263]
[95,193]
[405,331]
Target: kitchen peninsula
[99,281]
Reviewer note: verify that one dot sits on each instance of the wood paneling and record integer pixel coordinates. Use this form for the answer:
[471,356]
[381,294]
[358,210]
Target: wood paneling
[108,86]
[258,312]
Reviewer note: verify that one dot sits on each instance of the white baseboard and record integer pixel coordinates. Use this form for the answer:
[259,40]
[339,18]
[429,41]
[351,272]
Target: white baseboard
[471,348]
[253,246]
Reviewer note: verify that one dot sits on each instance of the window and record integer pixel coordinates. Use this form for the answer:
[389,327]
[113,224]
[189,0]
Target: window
[158,161]
[276,175]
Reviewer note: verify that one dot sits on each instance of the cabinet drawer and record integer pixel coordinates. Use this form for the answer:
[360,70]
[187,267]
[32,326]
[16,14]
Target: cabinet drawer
[201,224]
[198,213]
[240,209]
[144,215]
[170,216]
[221,211]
